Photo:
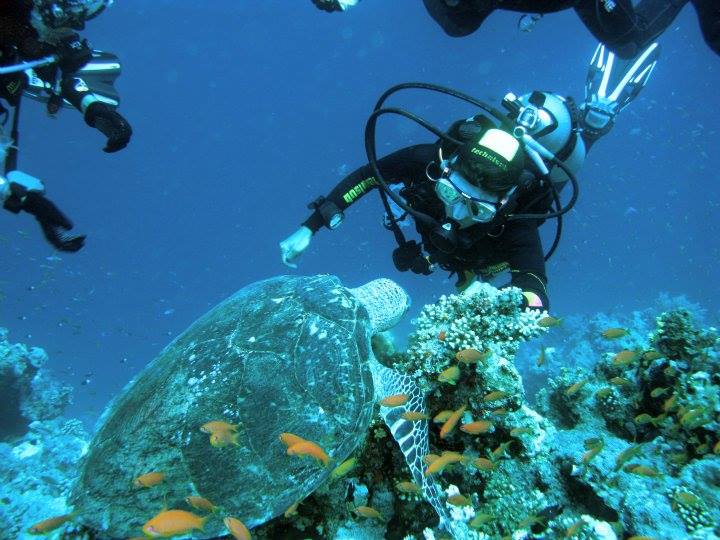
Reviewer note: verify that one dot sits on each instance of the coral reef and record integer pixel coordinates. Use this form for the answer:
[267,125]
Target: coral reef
[27,392]
[39,450]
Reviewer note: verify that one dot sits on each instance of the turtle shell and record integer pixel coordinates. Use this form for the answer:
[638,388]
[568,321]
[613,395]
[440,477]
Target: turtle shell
[289,354]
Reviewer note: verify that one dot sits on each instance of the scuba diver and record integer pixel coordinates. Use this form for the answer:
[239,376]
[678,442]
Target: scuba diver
[623,27]
[42,57]
[480,193]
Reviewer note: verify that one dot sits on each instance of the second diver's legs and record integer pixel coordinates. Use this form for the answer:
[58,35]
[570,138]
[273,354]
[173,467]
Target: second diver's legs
[461,18]
[625,29]
[708,12]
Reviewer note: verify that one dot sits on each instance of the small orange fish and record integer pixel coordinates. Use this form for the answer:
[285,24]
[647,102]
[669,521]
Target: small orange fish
[501,450]
[484,464]
[451,422]
[173,522]
[499,412]
[716,448]
[222,439]
[657,392]
[549,322]
[442,416]
[395,400]
[368,512]
[200,503]
[414,416]
[541,358]
[439,464]
[48,525]
[530,521]
[627,454]
[589,455]
[308,448]
[575,388]
[449,375]
[651,355]
[480,519]
[459,500]
[642,470]
[624,358]
[603,392]
[292,509]
[408,487]
[344,468]
[442,335]
[670,403]
[472,356]
[496,395]
[217,425]
[288,439]
[575,528]
[516,432]
[237,528]
[149,479]
[621,381]
[694,418]
[614,333]
[477,427]
[430,458]
[640,537]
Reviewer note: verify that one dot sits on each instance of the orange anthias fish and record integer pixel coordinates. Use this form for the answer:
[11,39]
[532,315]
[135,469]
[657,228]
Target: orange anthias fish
[149,479]
[173,522]
[414,416]
[395,400]
[441,335]
[477,427]
[237,528]
[221,439]
[484,464]
[625,358]
[549,321]
[449,375]
[451,422]
[408,487]
[472,356]
[308,448]
[442,416]
[495,396]
[217,425]
[575,388]
[614,333]
[200,503]
[368,512]
[47,525]
[288,439]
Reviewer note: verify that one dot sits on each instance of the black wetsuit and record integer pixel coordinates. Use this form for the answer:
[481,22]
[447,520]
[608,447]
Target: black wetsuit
[624,29]
[514,246]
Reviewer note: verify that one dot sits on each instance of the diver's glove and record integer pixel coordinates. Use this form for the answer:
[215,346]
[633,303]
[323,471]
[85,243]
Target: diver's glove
[334,5]
[409,256]
[110,123]
[294,245]
[73,54]
[22,192]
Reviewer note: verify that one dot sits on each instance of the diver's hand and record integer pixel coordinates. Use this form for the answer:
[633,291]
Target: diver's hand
[110,123]
[334,5]
[294,245]
[27,195]
[73,54]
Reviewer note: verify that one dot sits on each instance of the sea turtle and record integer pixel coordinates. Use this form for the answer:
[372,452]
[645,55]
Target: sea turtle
[288,354]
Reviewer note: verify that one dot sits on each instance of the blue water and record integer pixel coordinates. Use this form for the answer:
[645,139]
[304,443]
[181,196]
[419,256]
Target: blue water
[243,112]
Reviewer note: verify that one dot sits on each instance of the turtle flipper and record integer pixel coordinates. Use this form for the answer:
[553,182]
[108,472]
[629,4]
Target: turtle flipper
[412,436]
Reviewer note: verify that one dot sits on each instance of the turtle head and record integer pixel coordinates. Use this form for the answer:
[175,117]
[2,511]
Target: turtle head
[385,301]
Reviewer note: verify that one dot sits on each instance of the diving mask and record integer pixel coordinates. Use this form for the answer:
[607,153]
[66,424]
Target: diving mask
[465,203]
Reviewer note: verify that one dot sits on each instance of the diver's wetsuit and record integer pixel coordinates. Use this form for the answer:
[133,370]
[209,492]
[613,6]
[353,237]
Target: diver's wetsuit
[516,246]
[625,29]
[19,42]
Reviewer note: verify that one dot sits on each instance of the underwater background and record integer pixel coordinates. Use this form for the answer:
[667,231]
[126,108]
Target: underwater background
[244,112]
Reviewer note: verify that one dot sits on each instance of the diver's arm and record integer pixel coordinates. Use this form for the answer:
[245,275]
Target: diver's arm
[328,211]
[708,12]
[527,262]
[396,167]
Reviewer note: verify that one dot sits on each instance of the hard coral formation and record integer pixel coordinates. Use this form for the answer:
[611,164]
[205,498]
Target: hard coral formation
[39,450]
[27,392]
